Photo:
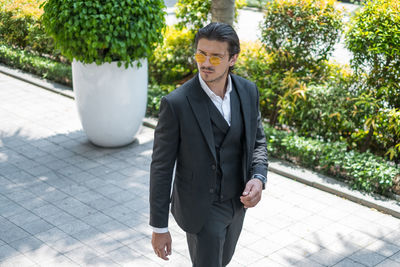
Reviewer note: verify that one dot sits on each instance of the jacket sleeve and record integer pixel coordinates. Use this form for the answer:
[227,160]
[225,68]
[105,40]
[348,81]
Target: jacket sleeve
[259,164]
[166,142]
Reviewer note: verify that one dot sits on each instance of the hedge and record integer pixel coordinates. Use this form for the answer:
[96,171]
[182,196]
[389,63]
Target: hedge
[364,171]
[32,63]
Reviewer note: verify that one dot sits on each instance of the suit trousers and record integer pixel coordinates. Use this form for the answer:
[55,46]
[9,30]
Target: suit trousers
[215,244]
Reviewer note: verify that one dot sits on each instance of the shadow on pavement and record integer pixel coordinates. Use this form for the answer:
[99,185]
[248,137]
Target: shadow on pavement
[62,199]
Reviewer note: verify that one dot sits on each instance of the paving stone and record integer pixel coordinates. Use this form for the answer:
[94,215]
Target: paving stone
[23,218]
[326,257]
[74,227]
[367,257]
[12,233]
[7,252]
[52,235]
[37,227]
[384,248]
[396,257]
[27,244]
[60,218]
[97,218]
[388,263]
[46,211]
[17,261]
[348,263]
[102,203]
[124,255]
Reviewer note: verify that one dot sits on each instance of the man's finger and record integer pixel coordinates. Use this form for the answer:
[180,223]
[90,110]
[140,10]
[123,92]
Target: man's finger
[162,254]
[169,249]
[247,189]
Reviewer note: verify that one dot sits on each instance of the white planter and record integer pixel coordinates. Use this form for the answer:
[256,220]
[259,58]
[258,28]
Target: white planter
[111,101]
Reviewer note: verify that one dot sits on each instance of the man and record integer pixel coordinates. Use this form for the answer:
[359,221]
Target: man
[210,130]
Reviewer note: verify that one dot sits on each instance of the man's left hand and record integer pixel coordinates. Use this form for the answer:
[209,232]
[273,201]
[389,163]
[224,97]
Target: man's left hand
[252,193]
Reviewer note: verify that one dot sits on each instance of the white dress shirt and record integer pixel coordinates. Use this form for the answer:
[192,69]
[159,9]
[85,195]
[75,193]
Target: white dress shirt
[224,107]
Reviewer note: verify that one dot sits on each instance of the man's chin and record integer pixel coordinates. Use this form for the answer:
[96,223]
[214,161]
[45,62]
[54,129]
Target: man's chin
[207,77]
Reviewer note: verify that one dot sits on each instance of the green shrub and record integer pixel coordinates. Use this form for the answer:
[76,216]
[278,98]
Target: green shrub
[43,67]
[255,64]
[98,31]
[364,171]
[172,60]
[374,39]
[155,93]
[302,33]
[278,87]
[324,110]
[20,26]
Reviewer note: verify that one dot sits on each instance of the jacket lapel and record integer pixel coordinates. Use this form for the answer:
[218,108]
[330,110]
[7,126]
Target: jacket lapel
[245,105]
[198,101]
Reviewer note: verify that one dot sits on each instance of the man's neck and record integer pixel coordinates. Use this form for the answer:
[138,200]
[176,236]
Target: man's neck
[219,87]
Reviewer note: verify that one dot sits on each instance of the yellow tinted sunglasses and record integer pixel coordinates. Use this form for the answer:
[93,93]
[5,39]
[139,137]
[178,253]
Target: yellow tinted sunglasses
[201,58]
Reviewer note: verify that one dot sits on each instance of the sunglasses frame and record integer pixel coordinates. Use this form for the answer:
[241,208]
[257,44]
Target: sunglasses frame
[214,60]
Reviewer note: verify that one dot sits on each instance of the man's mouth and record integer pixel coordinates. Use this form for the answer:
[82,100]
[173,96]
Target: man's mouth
[207,70]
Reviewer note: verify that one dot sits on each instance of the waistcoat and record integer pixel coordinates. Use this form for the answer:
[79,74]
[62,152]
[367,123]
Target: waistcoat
[229,147]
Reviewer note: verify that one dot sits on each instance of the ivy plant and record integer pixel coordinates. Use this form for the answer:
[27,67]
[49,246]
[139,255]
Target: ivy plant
[95,31]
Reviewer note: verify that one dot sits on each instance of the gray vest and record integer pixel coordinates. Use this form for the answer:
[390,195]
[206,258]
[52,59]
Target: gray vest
[229,147]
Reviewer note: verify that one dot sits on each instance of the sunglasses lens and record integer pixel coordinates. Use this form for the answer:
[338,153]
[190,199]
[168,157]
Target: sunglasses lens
[200,58]
[215,61]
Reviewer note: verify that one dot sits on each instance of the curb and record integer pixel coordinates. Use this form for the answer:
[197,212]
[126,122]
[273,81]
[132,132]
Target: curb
[291,171]
[38,81]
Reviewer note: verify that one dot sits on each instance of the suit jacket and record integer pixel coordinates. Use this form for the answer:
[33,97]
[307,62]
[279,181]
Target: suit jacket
[184,136]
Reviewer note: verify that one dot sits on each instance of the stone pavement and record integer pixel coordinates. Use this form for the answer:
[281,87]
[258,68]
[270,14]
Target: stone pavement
[66,202]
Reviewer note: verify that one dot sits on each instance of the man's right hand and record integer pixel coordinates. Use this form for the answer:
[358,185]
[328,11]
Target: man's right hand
[162,244]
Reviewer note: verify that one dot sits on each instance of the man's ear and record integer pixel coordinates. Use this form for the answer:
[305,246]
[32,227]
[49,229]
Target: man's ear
[233,60]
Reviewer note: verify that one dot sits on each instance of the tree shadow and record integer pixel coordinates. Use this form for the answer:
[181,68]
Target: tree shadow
[63,199]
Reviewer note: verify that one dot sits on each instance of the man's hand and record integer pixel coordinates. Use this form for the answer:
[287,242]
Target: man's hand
[162,244]
[252,193]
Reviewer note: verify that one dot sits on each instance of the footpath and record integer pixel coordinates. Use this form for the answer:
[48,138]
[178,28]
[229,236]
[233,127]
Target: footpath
[66,202]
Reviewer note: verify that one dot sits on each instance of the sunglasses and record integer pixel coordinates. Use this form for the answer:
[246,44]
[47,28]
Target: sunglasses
[201,58]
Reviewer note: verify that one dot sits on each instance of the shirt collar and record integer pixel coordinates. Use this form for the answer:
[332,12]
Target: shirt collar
[210,93]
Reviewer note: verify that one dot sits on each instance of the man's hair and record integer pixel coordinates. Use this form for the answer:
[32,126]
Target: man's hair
[217,31]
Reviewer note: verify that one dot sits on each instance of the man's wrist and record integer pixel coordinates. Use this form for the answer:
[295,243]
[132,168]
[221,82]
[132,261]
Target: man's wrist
[158,230]
[260,177]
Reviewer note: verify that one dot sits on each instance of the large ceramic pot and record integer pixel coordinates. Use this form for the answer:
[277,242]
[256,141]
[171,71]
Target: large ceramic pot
[111,101]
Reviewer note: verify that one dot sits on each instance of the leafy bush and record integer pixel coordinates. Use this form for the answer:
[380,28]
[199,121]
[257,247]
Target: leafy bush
[43,67]
[255,64]
[279,88]
[374,39]
[363,171]
[20,26]
[155,93]
[172,60]
[98,31]
[324,110]
[302,33]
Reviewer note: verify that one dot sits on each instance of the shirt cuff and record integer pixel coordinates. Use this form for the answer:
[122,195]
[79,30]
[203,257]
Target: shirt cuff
[160,230]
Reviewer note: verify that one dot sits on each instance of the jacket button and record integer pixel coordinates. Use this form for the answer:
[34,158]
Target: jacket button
[211,190]
[213,167]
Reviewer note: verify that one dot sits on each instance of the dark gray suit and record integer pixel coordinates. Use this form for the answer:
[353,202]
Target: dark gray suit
[184,135]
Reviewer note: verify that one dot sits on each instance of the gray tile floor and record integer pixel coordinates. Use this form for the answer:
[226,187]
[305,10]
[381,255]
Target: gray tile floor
[66,202]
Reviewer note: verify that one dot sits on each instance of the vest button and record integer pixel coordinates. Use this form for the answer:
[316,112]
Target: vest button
[213,167]
[211,190]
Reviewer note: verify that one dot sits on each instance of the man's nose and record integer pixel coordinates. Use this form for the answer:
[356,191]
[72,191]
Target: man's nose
[207,62]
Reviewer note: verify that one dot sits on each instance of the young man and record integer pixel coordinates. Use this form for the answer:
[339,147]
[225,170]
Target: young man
[210,129]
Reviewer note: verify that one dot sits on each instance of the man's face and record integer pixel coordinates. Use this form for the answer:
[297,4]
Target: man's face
[213,73]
